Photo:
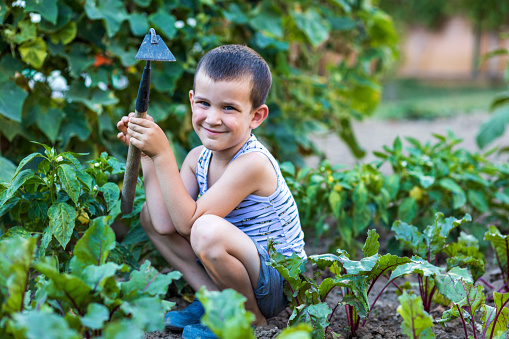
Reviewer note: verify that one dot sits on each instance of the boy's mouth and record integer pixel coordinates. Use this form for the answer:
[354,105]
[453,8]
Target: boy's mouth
[212,132]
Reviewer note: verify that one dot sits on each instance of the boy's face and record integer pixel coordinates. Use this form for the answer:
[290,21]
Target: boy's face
[223,115]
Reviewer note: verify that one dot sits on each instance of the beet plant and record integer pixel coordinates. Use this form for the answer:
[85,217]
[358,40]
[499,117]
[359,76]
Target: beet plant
[96,298]
[425,246]
[467,300]
[354,279]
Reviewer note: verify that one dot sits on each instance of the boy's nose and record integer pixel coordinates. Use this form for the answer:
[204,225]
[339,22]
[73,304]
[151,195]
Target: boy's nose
[213,117]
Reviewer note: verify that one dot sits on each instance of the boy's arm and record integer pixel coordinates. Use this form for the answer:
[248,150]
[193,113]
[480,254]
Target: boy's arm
[242,177]
[249,174]
[159,215]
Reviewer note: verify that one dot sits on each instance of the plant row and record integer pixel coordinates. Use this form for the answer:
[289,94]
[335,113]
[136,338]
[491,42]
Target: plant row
[426,178]
[455,284]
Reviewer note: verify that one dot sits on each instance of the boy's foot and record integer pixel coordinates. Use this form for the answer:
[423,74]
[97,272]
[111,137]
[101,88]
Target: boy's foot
[178,320]
[198,331]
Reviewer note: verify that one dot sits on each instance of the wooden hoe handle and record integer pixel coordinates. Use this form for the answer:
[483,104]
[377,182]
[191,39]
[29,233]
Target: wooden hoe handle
[132,168]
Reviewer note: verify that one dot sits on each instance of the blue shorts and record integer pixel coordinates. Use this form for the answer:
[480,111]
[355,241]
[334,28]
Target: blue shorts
[270,297]
[269,293]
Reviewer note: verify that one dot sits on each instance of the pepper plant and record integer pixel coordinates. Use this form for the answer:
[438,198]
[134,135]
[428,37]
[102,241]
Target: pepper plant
[96,298]
[57,197]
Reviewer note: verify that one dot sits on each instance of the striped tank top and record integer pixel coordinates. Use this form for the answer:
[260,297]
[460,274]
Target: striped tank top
[275,216]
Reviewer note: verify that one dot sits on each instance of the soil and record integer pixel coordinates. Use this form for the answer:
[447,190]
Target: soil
[384,321]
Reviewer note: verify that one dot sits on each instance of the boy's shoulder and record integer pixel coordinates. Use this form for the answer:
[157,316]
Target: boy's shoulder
[192,157]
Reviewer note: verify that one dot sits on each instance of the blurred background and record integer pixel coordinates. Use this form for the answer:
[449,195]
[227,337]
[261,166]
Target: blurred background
[450,74]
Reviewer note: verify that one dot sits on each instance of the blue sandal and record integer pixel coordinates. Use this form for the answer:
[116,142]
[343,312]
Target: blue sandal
[198,331]
[178,320]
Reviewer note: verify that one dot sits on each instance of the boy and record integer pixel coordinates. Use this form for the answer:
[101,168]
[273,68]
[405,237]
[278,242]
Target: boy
[243,198]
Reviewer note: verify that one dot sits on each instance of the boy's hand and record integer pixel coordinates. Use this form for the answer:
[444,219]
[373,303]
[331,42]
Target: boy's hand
[146,135]
[122,126]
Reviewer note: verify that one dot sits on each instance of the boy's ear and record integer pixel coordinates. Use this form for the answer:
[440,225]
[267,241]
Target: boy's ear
[191,95]
[259,115]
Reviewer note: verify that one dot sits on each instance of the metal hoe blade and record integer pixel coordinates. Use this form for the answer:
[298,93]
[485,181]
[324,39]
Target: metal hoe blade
[153,48]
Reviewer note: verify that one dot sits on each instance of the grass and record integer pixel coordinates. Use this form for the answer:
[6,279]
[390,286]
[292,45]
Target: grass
[411,99]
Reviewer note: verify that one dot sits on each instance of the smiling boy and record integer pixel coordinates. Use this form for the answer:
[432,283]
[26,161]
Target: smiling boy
[229,195]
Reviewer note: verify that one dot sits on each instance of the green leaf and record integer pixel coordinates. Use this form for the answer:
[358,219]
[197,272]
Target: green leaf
[500,244]
[33,52]
[97,277]
[96,315]
[409,235]
[416,265]
[225,314]
[7,169]
[495,320]
[407,210]
[65,287]
[371,245]
[17,253]
[40,324]
[61,220]
[125,328]
[94,246]
[299,331]
[458,196]
[138,24]
[392,183]
[47,236]
[312,25]
[16,183]
[143,3]
[48,121]
[268,20]
[143,311]
[164,22]
[235,14]
[111,11]
[494,127]
[417,323]
[11,100]
[147,281]
[66,34]
[48,9]
[79,59]
[8,65]
[111,194]
[385,264]
[314,315]
[356,267]
[357,297]
[67,176]
[478,200]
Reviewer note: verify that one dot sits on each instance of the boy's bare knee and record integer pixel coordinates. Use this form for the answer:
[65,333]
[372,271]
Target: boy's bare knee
[205,236]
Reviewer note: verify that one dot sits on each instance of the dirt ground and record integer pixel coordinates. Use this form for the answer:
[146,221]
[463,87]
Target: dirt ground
[384,322]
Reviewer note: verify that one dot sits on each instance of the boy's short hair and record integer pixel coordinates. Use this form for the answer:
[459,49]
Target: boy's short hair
[233,62]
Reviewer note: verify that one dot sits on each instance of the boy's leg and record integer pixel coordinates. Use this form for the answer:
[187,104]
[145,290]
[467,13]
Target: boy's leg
[230,258]
[178,253]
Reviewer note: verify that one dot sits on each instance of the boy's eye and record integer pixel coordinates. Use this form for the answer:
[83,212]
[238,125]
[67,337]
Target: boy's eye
[229,108]
[204,103]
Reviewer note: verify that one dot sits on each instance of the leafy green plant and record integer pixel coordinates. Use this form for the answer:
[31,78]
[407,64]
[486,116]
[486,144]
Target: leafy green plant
[436,177]
[355,198]
[226,316]
[425,246]
[86,302]
[354,278]
[417,323]
[467,300]
[59,198]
